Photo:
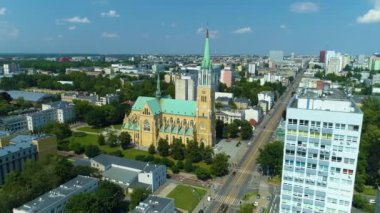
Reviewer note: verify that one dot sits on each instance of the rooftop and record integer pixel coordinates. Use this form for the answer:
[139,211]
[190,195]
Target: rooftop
[108,160]
[152,204]
[66,190]
[333,100]
[28,96]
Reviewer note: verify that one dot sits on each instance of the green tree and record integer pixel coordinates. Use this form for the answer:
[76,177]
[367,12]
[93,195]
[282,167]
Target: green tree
[270,157]
[101,140]
[233,129]
[178,150]
[245,130]
[112,140]
[137,196]
[152,149]
[219,129]
[110,196]
[163,147]
[61,131]
[219,165]
[125,140]
[92,151]
[188,165]
[77,147]
[359,201]
[207,154]
[96,117]
[82,203]
[192,151]
[202,173]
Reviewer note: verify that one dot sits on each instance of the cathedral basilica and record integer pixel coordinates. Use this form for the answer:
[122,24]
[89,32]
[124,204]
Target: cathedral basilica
[152,118]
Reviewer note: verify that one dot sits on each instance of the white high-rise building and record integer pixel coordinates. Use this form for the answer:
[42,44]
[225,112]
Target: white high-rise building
[185,89]
[321,147]
[276,55]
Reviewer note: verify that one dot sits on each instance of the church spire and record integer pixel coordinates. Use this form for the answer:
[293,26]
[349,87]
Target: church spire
[206,62]
[158,90]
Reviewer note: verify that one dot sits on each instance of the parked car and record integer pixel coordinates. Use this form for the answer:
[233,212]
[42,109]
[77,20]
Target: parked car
[258,196]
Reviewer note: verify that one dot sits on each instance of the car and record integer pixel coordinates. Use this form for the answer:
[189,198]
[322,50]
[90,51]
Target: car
[269,198]
[372,201]
[258,196]
[255,203]
[234,173]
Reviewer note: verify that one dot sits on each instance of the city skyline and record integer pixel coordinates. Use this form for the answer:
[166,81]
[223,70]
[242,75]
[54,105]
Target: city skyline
[169,27]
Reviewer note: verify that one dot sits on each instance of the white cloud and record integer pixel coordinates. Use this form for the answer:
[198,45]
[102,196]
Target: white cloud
[211,33]
[372,16]
[173,25]
[242,30]
[110,35]
[304,7]
[72,27]
[3,11]
[283,26]
[110,13]
[79,20]
[8,31]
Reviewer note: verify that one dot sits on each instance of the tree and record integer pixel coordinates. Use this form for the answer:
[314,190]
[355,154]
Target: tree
[125,140]
[192,151]
[61,131]
[77,147]
[270,157]
[96,117]
[233,130]
[207,154]
[101,140]
[178,150]
[188,165]
[202,173]
[245,130]
[109,195]
[359,201]
[82,203]
[137,196]
[152,149]
[112,140]
[219,165]
[219,128]
[92,151]
[163,147]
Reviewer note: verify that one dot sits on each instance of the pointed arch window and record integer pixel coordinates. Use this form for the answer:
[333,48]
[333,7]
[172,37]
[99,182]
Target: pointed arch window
[146,125]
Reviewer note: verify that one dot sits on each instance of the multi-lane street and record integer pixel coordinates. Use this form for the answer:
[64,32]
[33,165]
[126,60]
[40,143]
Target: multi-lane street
[228,197]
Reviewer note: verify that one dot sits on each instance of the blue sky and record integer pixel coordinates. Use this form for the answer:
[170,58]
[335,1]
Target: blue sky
[175,26]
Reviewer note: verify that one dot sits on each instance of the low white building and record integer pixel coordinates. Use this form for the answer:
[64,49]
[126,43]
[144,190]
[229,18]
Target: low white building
[13,123]
[267,96]
[154,204]
[228,116]
[253,115]
[130,173]
[55,200]
[224,95]
[108,99]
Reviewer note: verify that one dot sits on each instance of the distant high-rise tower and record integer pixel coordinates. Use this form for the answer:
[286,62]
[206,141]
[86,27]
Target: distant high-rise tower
[322,56]
[321,147]
[276,56]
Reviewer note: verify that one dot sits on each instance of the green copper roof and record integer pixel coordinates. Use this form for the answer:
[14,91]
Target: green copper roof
[154,106]
[132,126]
[206,62]
[167,105]
[178,107]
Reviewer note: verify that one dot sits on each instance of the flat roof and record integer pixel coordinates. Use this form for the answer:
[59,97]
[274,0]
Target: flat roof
[152,204]
[28,96]
[65,190]
[122,176]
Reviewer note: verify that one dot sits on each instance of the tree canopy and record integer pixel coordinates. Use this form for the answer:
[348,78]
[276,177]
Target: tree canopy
[270,158]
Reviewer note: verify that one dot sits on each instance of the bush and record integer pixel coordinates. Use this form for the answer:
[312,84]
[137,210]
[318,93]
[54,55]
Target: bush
[157,160]
[180,164]
[175,169]
[152,149]
[188,165]
[359,201]
[63,145]
[165,161]
[202,173]
[79,134]
[117,153]
[92,151]
[140,157]
[77,148]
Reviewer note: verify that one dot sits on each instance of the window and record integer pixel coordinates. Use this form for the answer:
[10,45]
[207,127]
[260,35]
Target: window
[289,162]
[289,152]
[302,133]
[314,133]
[339,138]
[299,163]
[304,122]
[352,139]
[336,159]
[335,169]
[146,125]
[340,126]
[324,157]
[311,165]
[292,121]
[301,153]
[349,161]
[313,156]
[327,125]
[353,128]
[315,124]
[348,171]
[337,148]
[326,136]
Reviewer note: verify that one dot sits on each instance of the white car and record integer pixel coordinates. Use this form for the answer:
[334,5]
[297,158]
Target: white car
[256,203]
[372,201]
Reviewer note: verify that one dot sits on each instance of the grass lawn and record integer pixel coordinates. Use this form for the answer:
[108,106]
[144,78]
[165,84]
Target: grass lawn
[117,126]
[185,198]
[91,129]
[85,140]
[276,180]
[369,190]
[202,165]
[248,195]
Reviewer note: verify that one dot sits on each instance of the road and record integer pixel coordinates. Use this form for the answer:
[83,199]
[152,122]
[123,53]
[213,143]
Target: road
[234,187]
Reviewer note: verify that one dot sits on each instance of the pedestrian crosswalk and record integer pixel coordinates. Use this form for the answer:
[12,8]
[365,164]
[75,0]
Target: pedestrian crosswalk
[231,201]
